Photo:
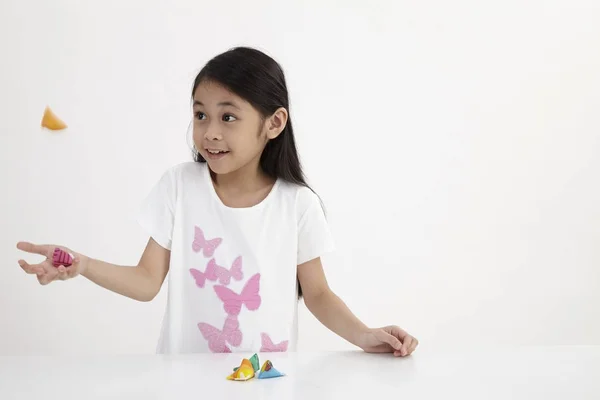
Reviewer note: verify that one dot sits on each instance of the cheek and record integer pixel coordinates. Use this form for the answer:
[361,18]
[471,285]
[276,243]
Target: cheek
[197,133]
[250,143]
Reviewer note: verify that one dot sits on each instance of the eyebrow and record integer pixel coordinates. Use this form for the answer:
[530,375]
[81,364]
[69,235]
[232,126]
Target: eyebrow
[221,104]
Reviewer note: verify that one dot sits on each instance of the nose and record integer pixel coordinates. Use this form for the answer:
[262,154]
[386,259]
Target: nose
[213,132]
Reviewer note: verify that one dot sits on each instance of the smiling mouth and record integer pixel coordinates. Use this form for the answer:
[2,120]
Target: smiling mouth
[216,154]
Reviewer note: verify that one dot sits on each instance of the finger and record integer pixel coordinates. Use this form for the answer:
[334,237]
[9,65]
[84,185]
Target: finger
[413,346]
[44,279]
[73,270]
[31,269]
[62,273]
[406,345]
[42,250]
[65,273]
[389,339]
[397,331]
[48,277]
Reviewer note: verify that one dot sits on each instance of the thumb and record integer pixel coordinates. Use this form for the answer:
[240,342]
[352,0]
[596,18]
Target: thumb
[43,250]
[389,339]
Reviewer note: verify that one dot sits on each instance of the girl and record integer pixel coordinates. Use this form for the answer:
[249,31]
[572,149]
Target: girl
[238,230]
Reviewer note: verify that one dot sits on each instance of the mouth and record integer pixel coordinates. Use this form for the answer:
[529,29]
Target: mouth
[216,154]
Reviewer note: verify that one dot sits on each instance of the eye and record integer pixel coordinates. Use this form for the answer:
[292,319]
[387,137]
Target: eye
[229,118]
[200,115]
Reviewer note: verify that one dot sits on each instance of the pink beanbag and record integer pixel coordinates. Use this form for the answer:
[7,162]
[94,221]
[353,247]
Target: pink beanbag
[61,257]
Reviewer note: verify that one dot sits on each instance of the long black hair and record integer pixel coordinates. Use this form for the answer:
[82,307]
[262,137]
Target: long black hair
[259,79]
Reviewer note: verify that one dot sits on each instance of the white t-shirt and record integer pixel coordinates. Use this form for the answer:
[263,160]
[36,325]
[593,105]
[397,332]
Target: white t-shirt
[232,277]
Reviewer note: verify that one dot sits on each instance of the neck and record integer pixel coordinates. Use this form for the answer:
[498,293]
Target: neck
[249,178]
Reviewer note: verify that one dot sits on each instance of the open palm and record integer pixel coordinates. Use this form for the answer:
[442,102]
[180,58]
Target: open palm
[45,271]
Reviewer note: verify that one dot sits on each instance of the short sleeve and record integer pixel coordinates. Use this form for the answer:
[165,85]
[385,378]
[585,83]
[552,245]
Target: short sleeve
[314,235]
[156,214]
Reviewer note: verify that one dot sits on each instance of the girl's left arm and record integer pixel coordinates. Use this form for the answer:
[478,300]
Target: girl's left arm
[334,314]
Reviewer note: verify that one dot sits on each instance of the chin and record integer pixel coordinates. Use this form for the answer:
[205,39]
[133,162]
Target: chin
[220,167]
[217,168]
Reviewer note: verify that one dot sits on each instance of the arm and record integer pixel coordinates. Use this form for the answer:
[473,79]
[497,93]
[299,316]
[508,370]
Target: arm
[141,282]
[332,312]
[326,306]
[314,238]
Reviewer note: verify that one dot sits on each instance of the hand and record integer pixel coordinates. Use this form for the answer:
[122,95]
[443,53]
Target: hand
[389,339]
[46,272]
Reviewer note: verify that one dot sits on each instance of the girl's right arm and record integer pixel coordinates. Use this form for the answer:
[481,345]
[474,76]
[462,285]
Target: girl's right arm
[141,282]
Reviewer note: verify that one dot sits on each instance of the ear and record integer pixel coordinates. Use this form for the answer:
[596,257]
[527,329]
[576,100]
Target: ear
[276,123]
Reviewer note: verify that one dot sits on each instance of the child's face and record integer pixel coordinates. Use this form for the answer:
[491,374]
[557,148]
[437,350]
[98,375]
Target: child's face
[228,132]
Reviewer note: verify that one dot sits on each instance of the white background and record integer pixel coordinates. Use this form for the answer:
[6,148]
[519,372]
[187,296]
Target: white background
[455,145]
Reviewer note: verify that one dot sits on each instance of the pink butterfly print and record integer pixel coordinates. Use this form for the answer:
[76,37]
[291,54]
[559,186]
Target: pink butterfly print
[207,246]
[217,340]
[232,302]
[269,346]
[201,277]
[225,274]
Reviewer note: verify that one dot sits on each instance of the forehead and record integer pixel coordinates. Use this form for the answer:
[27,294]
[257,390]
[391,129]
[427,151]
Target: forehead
[211,93]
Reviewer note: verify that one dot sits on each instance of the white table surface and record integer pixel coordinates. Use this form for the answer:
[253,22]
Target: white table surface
[518,373]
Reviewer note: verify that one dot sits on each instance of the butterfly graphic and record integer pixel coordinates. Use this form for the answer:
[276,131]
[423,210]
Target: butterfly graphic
[201,277]
[218,339]
[208,247]
[269,346]
[232,302]
[225,274]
